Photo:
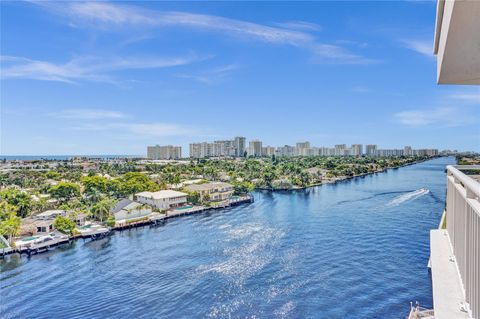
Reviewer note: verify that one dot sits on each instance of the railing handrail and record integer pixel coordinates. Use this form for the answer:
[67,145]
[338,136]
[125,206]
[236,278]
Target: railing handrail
[466,166]
[463,226]
[468,182]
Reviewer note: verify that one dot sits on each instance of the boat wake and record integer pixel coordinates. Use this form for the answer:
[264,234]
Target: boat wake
[408,197]
[370,197]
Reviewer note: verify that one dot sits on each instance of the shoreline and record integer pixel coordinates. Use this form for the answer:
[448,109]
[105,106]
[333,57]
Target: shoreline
[45,248]
[150,222]
[341,179]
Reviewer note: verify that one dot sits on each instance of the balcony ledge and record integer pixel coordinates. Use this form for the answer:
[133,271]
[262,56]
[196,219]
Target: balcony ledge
[448,293]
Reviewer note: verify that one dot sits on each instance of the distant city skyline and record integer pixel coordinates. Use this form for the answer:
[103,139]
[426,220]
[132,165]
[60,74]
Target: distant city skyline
[237,147]
[100,78]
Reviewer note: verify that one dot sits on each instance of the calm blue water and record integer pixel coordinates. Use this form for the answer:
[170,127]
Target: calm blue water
[358,249]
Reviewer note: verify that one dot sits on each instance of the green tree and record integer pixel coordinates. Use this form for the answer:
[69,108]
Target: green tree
[4,179]
[304,179]
[94,183]
[40,204]
[268,177]
[114,188]
[193,196]
[243,187]
[65,225]
[134,182]
[101,210]
[94,195]
[206,198]
[9,221]
[6,209]
[53,175]
[73,204]
[65,191]
[20,200]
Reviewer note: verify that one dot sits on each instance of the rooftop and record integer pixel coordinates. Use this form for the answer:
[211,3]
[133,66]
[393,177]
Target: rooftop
[208,186]
[36,222]
[50,213]
[124,204]
[161,194]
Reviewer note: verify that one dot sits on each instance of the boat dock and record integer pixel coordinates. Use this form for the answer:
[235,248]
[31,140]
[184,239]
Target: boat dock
[39,244]
[42,245]
[93,231]
[155,218]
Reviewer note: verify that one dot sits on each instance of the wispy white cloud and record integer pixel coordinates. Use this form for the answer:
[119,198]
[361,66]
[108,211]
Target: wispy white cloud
[88,114]
[424,47]
[85,68]
[352,43]
[159,129]
[336,54]
[116,122]
[154,129]
[101,13]
[135,39]
[299,25]
[443,116]
[212,75]
[108,16]
[467,97]
[18,67]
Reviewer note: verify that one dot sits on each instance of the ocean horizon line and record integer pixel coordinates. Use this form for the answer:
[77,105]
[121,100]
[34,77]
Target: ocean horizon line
[68,156]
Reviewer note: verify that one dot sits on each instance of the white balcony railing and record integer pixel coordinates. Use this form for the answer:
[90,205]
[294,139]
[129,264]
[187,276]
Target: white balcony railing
[463,226]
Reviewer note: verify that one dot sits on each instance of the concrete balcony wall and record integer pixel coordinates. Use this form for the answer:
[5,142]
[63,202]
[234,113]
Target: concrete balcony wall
[457,41]
[463,225]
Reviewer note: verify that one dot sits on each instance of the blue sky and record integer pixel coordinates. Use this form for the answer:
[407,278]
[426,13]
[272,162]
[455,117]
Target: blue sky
[114,77]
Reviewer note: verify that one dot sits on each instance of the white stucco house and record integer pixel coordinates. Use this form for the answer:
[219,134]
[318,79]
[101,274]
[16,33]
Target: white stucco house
[212,191]
[127,210]
[164,199]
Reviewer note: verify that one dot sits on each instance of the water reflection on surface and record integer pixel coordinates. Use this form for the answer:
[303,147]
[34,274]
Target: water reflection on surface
[335,251]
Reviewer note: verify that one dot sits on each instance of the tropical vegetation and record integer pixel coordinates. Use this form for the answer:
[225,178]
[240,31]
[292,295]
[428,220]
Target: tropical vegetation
[93,187]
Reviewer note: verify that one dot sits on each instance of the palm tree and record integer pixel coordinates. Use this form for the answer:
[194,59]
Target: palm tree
[9,221]
[41,204]
[24,205]
[101,210]
[94,195]
[11,227]
[3,179]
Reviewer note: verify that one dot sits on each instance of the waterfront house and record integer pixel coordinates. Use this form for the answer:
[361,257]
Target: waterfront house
[41,223]
[185,183]
[32,226]
[79,219]
[127,210]
[163,200]
[213,191]
[50,214]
